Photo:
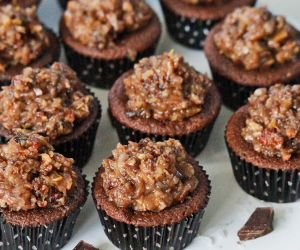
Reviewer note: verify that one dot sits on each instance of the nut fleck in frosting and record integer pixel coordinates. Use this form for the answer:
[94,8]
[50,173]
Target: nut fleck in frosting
[148,176]
[32,175]
[273,123]
[48,101]
[100,23]
[22,37]
[255,38]
[165,88]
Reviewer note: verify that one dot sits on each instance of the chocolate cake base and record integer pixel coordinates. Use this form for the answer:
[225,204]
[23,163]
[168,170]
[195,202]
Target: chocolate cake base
[268,179]
[236,83]
[101,68]
[80,143]
[50,55]
[42,229]
[193,133]
[190,24]
[172,228]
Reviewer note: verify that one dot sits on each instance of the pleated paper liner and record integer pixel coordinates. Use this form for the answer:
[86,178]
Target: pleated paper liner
[63,3]
[190,32]
[193,143]
[281,186]
[80,148]
[45,237]
[234,95]
[55,56]
[102,73]
[175,236]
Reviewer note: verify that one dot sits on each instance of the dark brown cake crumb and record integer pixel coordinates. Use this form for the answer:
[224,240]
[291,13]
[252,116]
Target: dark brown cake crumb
[84,246]
[208,2]
[259,224]
[32,175]
[48,101]
[255,38]
[165,88]
[99,23]
[273,123]
[148,176]
[22,36]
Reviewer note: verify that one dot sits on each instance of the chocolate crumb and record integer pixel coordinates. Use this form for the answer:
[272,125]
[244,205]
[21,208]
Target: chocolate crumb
[84,246]
[259,224]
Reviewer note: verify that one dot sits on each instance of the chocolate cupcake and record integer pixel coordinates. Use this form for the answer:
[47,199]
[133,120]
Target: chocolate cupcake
[41,194]
[164,97]
[103,39]
[189,21]
[263,144]
[24,42]
[54,103]
[251,49]
[151,195]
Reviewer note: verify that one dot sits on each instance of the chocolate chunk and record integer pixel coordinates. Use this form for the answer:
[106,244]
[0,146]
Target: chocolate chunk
[84,246]
[259,224]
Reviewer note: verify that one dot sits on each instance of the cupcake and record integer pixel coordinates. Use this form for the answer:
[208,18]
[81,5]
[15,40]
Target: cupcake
[263,143]
[54,103]
[103,39]
[41,194]
[164,97]
[189,21]
[151,195]
[252,48]
[24,41]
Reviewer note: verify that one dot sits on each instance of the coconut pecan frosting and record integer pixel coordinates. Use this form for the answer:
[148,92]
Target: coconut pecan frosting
[22,37]
[100,23]
[148,176]
[273,123]
[255,38]
[32,175]
[165,88]
[48,101]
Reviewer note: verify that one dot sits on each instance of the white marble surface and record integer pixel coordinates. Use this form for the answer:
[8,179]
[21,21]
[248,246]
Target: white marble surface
[229,206]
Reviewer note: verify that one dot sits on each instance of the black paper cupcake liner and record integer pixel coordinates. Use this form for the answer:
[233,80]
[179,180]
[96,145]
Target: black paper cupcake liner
[63,3]
[190,32]
[80,148]
[281,186]
[193,143]
[45,237]
[175,236]
[102,73]
[234,95]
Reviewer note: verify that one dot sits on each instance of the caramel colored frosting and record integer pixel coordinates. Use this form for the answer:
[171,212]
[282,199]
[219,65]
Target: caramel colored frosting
[48,101]
[148,176]
[273,123]
[22,37]
[32,175]
[165,88]
[255,38]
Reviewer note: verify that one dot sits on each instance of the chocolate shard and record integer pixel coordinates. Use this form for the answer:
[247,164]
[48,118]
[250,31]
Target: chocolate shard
[259,224]
[84,246]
